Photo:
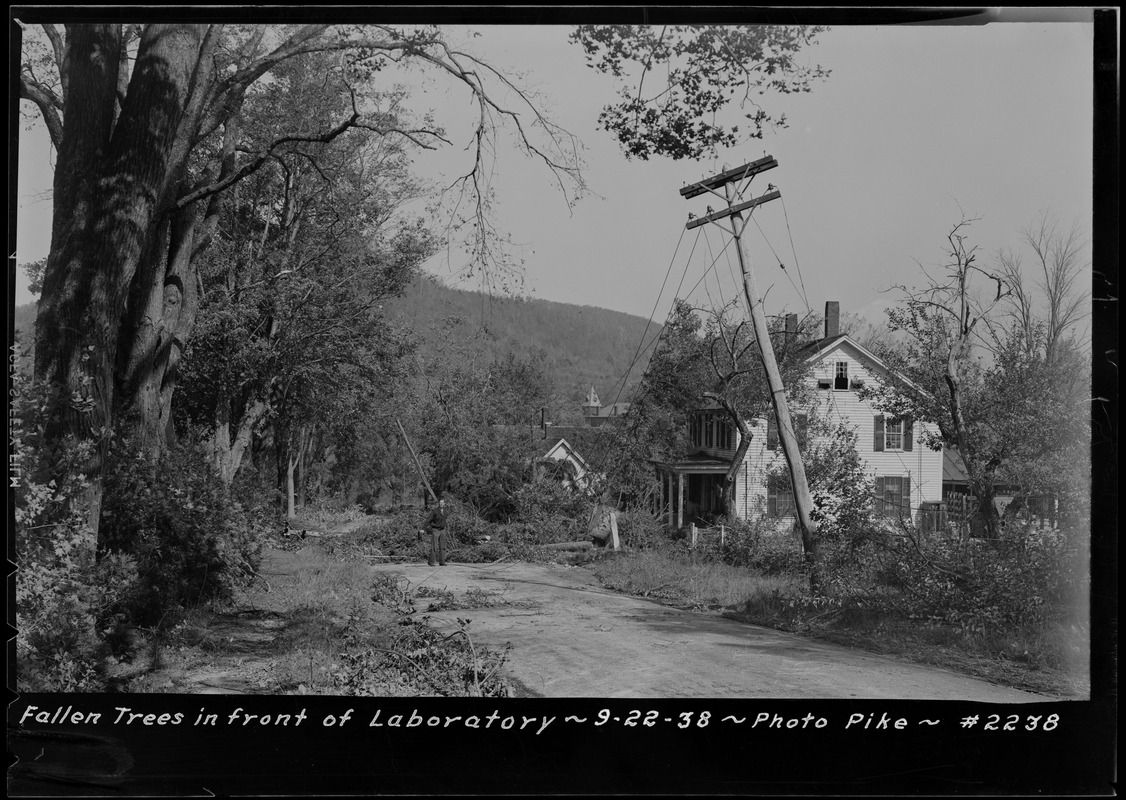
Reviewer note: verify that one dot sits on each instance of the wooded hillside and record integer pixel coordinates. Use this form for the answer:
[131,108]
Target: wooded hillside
[580,346]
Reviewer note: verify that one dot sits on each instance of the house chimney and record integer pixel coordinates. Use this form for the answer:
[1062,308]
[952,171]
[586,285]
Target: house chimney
[791,327]
[832,319]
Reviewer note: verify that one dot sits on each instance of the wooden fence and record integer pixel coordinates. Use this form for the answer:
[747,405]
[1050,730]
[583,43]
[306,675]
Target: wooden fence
[1036,512]
[960,511]
[697,533]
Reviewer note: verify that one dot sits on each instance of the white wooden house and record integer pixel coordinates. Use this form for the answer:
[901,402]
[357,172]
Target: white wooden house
[907,474]
[564,463]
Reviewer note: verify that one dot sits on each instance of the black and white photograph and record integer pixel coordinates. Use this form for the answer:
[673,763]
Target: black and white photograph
[562,400]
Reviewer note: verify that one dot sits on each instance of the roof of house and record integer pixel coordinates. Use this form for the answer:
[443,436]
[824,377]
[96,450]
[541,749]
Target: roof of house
[699,462]
[566,447]
[953,468]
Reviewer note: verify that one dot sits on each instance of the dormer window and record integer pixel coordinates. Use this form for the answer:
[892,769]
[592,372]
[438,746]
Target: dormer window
[840,377]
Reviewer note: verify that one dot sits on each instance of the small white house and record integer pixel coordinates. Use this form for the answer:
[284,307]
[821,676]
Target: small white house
[566,464]
[907,474]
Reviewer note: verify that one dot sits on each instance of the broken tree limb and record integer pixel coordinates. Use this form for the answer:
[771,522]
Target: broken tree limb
[570,546]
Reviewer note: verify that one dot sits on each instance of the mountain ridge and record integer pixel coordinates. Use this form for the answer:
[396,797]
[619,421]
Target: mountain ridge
[580,345]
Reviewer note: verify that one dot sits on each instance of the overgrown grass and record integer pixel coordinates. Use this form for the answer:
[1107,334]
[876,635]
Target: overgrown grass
[687,581]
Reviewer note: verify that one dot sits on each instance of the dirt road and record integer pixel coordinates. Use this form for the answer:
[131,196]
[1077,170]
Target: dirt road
[572,638]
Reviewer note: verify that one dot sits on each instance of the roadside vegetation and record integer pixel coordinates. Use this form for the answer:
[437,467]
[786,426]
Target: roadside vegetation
[1013,611]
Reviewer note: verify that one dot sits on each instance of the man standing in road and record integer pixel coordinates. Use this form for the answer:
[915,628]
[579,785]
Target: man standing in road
[436,522]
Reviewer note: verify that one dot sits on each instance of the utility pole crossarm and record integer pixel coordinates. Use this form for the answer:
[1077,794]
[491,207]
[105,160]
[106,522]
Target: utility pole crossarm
[730,210]
[737,174]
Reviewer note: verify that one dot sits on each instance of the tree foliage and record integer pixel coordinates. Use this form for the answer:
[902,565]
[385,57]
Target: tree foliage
[705,69]
[1006,388]
[155,126]
[476,423]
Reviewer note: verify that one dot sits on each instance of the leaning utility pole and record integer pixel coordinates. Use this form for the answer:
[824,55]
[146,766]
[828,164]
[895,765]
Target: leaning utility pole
[417,463]
[732,183]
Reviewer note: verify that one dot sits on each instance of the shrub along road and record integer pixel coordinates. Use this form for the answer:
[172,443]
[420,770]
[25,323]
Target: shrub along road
[572,638]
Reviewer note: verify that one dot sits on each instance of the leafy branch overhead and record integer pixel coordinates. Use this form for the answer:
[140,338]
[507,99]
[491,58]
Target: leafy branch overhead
[697,73]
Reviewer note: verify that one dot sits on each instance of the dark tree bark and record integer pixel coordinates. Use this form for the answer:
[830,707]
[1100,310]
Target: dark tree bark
[108,182]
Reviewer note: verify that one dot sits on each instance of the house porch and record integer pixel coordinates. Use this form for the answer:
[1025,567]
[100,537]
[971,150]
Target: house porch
[690,489]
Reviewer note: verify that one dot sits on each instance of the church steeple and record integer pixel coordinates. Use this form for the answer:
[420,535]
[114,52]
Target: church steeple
[590,408]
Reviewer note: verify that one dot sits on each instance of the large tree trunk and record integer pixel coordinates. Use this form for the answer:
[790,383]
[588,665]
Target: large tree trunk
[981,478]
[160,318]
[67,305]
[728,488]
[108,181]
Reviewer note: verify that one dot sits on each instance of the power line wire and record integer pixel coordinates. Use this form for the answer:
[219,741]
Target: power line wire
[800,292]
[620,385]
[797,265]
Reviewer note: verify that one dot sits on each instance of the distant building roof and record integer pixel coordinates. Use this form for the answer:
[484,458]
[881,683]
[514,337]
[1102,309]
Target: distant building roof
[587,441]
[612,410]
[593,407]
[953,468]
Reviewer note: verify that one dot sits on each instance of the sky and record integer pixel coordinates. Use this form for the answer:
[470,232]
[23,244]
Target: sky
[915,126]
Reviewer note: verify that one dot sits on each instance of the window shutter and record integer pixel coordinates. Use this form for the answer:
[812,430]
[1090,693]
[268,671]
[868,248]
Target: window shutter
[908,435]
[879,495]
[905,510]
[878,443]
[772,502]
[801,422]
[771,435]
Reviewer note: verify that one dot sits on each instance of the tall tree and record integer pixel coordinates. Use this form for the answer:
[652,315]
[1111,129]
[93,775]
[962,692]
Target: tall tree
[1043,339]
[148,147]
[942,322]
[307,250]
[677,112]
[976,353]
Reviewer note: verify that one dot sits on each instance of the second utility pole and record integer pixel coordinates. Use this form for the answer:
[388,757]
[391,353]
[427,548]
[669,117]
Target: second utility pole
[729,181]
